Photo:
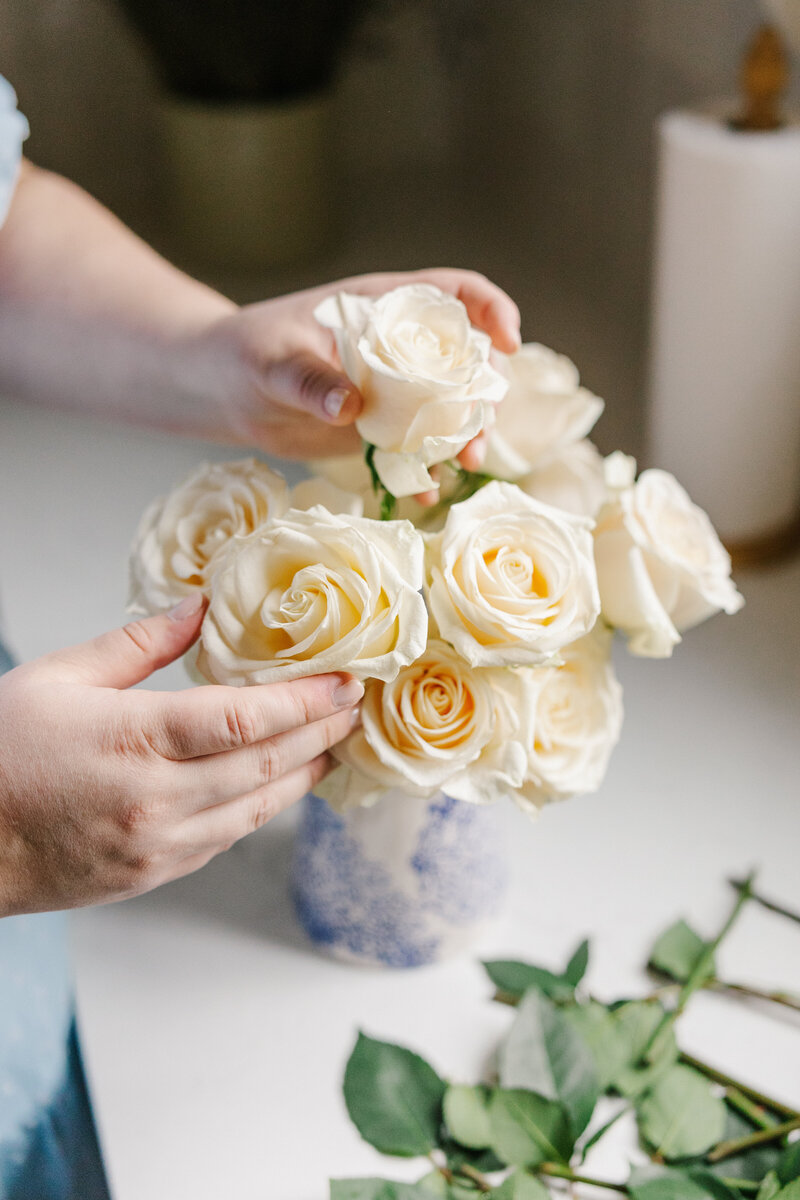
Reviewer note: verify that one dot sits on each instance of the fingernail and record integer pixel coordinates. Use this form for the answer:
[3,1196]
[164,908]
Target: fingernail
[334,401]
[355,717]
[348,693]
[187,607]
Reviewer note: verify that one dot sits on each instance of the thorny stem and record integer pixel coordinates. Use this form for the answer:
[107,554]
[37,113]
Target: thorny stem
[561,1172]
[753,1112]
[765,902]
[763,1137]
[699,972]
[728,1081]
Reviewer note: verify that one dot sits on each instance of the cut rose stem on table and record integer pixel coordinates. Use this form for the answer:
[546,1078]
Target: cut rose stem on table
[701,968]
[761,1138]
[765,902]
[728,1081]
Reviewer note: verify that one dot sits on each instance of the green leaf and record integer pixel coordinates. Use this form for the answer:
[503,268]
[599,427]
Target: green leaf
[788,1166]
[600,1031]
[482,1160]
[681,1117]
[466,1115]
[389,1189]
[770,1186]
[677,952]
[394,1098]
[528,1129]
[576,967]
[790,1192]
[658,1183]
[602,1131]
[543,1053]
[514,979]
[520,1186]
[361,1189]
[635,1023]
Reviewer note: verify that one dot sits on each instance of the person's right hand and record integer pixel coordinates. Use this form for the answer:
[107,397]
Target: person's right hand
[106,793]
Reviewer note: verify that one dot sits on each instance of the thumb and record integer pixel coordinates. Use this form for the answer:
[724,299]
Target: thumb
[310,384]
[128,655]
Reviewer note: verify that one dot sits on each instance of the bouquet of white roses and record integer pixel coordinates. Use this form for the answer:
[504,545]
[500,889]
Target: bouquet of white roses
[481,627]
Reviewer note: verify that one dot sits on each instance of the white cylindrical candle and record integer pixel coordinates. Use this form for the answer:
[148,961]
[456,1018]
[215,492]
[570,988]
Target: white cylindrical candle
[725,337]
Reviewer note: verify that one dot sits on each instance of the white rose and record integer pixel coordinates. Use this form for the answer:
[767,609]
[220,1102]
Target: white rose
[424,373]
[574,480]
[544,411]
[577,722]
[511,580]
[180,537]
[661,567]
[439,726]
[350,475]
[313,592]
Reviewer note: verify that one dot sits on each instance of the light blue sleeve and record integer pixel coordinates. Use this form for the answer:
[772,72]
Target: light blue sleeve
[13,131]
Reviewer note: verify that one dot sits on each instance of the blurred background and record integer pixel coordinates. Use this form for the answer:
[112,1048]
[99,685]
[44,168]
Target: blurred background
[516,138]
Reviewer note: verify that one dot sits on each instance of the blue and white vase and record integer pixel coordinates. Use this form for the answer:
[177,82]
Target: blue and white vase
[407,882]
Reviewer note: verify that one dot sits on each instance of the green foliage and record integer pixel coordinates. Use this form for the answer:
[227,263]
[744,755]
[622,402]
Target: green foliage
[388,502]
[466,1114]
[513,978]
[519,1186]
[636,1022]
[394,1098]
[545,1054]
[528,1129]
[664,1183]
[677,952]
[681,1117]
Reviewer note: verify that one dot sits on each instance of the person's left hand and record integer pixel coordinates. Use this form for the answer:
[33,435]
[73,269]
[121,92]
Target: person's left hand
[278,367]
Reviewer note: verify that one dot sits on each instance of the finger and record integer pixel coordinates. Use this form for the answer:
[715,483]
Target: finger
[205,782]
[312,385]
[227,823]
[426,499]
[211,720]
[126,656]
[488,306]
[473,454]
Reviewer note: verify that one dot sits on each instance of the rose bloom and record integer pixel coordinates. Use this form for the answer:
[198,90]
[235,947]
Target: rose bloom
[424,373]
[312,592]
[180,536]
[544,410]
[577,723]
[439,725]
[661,567]
[574,480]
[511,580]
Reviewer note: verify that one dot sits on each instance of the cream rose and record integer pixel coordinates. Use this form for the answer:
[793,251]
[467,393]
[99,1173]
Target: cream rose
[424,373]
[321,491]
[511,580]
[439,725]
[577,723]
[661,567]
[180,536]
[574,480]
[544,410]
[312,592]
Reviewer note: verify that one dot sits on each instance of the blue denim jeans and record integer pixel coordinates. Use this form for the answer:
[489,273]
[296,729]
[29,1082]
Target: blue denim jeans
[48,1143]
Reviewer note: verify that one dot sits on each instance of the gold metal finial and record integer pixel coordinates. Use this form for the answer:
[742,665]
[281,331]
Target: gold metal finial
[764,77]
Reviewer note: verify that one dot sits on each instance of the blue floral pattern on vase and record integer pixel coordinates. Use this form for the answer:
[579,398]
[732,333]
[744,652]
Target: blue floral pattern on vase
[402,884]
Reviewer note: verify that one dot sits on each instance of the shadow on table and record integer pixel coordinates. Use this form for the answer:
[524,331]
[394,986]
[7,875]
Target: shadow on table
[247,888]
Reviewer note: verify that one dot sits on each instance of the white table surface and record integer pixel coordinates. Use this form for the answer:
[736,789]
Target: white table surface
[215,1037]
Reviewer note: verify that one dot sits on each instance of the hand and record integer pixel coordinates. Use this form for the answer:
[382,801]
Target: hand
[289,369]
[106,793]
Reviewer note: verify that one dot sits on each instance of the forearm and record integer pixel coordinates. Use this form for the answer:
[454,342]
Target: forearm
[92,319]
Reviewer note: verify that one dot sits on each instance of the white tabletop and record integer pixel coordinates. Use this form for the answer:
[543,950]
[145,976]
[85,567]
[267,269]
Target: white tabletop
[215,1038]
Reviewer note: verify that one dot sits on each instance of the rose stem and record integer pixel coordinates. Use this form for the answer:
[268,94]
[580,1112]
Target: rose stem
[700,969]
[728,1081]
[753,1112]
[556,1170]
[743,989]
[479,1180]
[770,905]
[764,1136]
